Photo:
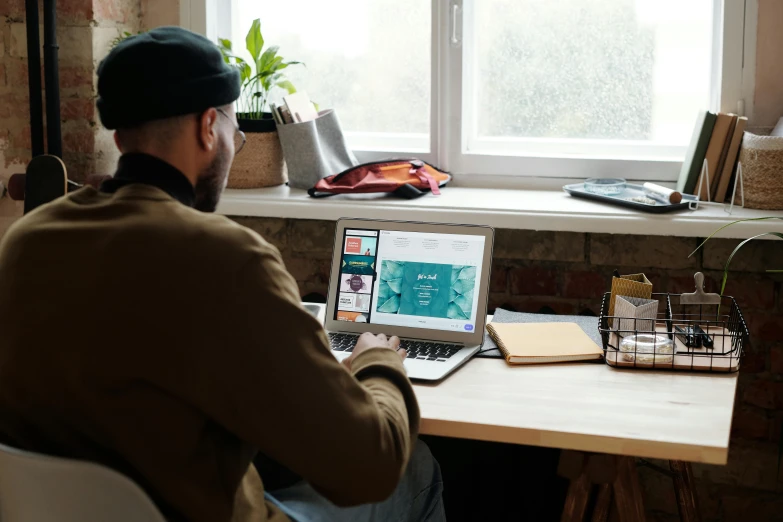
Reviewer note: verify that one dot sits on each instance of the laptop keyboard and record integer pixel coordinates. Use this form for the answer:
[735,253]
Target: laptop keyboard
[423,350]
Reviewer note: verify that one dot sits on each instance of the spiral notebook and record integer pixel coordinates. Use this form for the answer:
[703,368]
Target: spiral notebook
[536,343]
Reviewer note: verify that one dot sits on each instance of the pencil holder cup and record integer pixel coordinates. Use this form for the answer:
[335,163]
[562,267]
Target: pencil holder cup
[635,315]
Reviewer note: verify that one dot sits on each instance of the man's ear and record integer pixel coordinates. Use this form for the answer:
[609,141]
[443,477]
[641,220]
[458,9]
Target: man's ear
[207,129]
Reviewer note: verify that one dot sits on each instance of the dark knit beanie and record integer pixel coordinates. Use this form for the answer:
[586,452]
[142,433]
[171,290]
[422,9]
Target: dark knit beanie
[168,71]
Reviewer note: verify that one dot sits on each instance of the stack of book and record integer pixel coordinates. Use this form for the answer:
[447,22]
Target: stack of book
[717,139]
[296,108]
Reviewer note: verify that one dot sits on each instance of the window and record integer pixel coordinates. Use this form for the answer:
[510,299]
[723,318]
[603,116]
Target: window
[563,89]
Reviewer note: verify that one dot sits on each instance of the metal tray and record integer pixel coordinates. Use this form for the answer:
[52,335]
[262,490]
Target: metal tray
[631,191]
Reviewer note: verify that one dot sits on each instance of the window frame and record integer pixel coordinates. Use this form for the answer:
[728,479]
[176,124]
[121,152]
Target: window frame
[733,84]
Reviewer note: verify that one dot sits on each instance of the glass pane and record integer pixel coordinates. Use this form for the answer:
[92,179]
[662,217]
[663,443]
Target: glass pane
[591,69]
[368,60]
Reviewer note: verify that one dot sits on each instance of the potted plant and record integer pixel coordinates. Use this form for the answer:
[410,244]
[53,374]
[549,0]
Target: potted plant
[261,163]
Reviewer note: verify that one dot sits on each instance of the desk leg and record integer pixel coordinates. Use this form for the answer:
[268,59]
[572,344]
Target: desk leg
[685,491]
[627,491]
[576,501]
[603,503]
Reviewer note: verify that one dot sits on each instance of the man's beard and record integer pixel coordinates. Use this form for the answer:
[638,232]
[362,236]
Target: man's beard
[212,181]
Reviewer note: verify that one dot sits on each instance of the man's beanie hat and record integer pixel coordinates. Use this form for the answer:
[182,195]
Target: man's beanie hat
[168,71]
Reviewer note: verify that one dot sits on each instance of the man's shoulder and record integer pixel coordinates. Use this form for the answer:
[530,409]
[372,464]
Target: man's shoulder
[154,220]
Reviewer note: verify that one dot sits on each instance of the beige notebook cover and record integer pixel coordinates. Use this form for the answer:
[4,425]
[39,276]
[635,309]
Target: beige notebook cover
[532,343]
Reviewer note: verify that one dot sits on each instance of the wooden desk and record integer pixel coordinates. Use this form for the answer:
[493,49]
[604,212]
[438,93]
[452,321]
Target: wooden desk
[587,407]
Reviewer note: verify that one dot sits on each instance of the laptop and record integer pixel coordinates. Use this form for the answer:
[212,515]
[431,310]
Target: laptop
[423,282]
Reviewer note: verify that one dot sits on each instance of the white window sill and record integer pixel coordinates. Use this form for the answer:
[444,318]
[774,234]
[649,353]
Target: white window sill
[552,210]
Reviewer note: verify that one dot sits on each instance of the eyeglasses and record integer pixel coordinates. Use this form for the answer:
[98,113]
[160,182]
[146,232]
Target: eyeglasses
[239,136]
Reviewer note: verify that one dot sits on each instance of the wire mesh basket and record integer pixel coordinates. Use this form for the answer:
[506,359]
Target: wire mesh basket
[709,338]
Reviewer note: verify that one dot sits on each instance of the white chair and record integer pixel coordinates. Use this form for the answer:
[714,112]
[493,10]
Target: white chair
[38,488]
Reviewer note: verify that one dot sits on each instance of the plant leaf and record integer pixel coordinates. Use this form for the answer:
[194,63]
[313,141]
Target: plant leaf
[287,85]
[225,43]
[730,224]
[268,58]
[737,249]
[254,40]
[392,306]
[244,72]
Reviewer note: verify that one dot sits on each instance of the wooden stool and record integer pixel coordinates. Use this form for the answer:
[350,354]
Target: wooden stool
[601,478]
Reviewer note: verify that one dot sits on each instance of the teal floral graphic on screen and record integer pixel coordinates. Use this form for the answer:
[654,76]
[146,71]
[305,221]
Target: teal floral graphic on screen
[426,289]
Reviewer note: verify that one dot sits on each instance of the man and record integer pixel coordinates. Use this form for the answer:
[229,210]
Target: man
[168,343]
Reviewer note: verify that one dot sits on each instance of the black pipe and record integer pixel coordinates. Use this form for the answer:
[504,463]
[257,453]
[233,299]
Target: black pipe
[52,80]
[34,78]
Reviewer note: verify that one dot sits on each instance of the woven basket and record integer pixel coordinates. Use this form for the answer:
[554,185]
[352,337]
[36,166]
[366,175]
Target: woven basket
[260,163]
[762,171]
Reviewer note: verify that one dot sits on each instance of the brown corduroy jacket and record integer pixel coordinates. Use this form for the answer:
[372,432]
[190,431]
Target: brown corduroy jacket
[170,345]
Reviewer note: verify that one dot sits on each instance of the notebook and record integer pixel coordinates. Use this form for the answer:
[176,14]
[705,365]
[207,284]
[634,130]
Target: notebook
[535,343]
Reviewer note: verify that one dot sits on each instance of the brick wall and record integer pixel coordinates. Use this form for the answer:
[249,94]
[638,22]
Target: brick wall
[84,30]
[568,272]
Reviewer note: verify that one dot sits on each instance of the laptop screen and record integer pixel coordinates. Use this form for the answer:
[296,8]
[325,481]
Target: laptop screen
[411,279]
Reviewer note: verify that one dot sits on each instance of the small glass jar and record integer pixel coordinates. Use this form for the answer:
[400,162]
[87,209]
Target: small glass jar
[605,186]
[648,348]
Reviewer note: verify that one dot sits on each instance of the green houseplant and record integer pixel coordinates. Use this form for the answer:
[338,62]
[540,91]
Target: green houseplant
[739,247]
[261,163]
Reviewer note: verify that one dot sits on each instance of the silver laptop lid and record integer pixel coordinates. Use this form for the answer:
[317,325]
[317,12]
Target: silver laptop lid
[417,280]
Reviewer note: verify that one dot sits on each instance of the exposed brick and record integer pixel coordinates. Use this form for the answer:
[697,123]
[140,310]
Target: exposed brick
[741,505]
[116,11]
[754,361]
[776,359]
[20,138]
[533,281]
[272,229]
[14,105]
[75,108]
[750,424]
[12,8]
[314,238]
[78,140]
[17,44]
[539,245]
[75,76]
[750,291]
[75,45]
[499,279]
[16,74]
[764,328]
[750,465]
[680,284]
[642,251]
[76,12]
[585,285]
[764,394]
[756,256]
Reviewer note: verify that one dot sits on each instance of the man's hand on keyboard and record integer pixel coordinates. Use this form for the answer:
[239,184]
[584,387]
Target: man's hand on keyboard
[367,341]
